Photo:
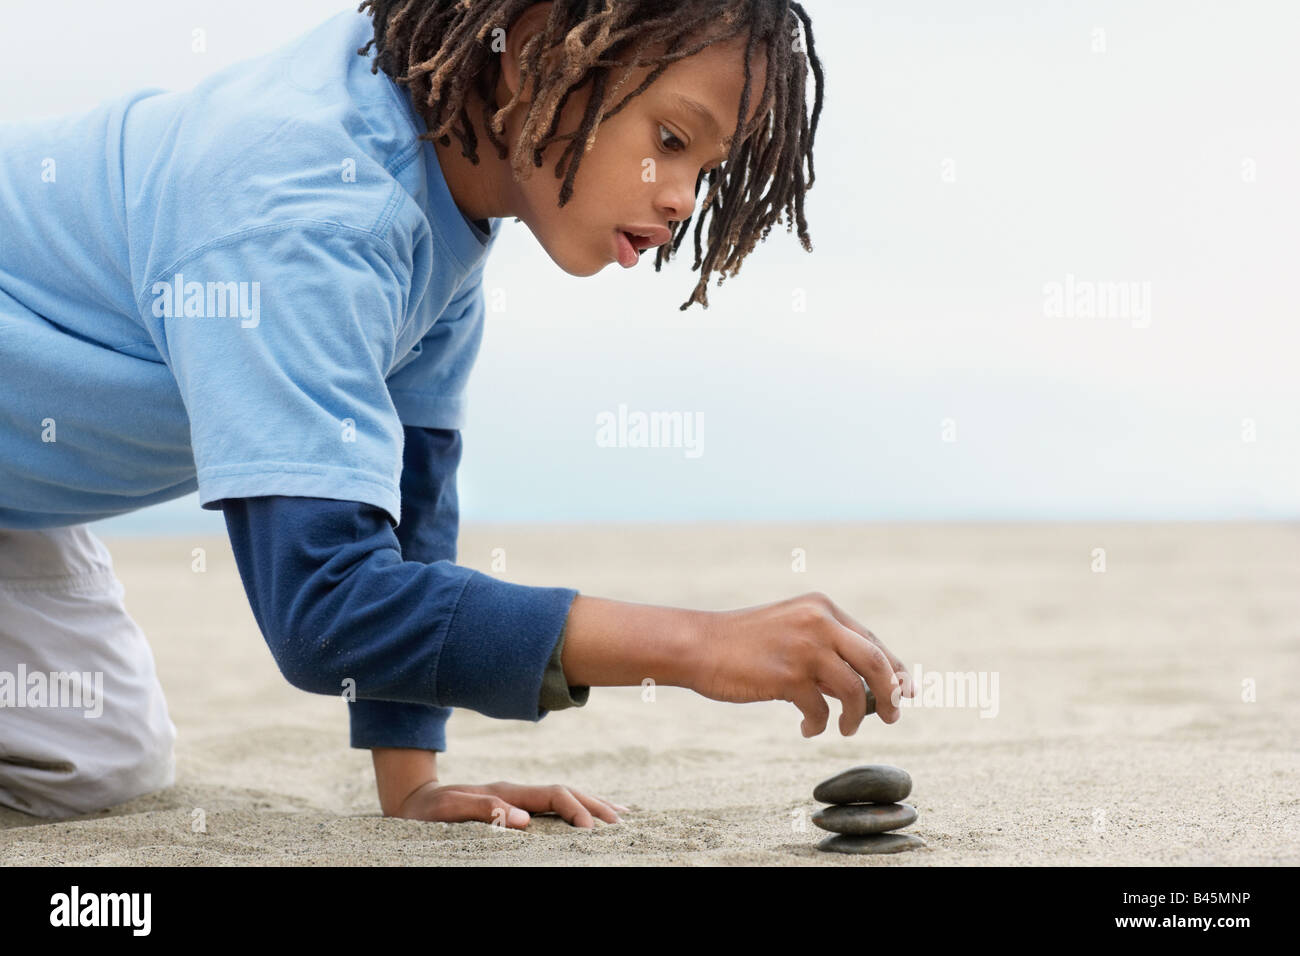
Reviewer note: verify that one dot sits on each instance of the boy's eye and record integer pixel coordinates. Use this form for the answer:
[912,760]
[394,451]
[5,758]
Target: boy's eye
[671,139]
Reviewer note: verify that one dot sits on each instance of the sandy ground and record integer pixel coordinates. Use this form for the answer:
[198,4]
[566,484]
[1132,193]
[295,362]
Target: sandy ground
[1120,736]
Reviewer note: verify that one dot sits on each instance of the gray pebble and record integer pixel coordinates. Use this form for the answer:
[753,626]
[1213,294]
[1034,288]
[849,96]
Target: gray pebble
[864,818]
[873,843]
[870,783]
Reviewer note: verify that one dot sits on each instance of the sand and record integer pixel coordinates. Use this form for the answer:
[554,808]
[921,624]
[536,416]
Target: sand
[1121,735]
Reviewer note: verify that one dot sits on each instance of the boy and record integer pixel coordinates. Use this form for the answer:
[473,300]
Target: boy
[269,289]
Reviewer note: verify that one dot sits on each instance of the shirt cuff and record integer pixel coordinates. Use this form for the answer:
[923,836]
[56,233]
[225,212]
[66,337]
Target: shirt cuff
[556,692]
[497,646]
[392,723]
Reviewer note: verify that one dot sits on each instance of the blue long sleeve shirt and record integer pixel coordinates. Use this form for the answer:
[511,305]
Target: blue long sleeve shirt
[339,597]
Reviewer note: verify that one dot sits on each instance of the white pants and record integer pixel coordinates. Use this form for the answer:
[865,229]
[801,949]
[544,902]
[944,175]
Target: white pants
[61,614]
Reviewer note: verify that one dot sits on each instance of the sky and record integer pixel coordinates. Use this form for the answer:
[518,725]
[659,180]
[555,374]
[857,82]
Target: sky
[1054,277]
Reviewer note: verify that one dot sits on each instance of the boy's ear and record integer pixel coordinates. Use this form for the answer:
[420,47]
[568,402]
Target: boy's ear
[528,24]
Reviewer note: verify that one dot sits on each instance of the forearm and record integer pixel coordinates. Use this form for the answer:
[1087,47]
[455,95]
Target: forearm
[399,773]
[341,609]
[621,644]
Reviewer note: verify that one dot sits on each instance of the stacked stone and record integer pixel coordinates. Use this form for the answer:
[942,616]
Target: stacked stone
[865,809]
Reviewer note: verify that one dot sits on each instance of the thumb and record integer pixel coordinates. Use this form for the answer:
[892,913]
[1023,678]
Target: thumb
[502,814]
[517,817]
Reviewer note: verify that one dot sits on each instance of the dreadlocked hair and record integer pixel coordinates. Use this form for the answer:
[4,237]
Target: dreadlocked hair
[440,49]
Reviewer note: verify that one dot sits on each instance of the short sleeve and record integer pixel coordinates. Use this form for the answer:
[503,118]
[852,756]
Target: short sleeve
[280,340]
[428,389]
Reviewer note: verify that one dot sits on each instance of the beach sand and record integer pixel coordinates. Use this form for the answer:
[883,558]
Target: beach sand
[1120,734]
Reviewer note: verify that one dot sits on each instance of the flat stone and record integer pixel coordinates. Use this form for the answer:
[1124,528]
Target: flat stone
[864,818]
[870,783]
[872,843]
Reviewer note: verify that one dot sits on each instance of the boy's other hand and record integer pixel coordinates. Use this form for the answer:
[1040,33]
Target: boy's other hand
[797,650]
[504,804]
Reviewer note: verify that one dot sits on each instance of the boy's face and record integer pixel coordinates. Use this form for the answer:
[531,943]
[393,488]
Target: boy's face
[641,171]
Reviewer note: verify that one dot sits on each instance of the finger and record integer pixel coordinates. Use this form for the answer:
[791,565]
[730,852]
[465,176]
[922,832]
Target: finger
[524,795]
[905,682]
[904,677]
[555,799]
[570,807]
[809,699]
[843,683]
[457,806]
[869,660]
[596,805]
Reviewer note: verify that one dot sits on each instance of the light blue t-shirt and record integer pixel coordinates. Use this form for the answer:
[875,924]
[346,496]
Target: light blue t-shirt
[247,288]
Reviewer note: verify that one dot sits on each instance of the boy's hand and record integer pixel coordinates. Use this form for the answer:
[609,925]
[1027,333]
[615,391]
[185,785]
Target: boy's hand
[798,650]
[409,788]
[505,804]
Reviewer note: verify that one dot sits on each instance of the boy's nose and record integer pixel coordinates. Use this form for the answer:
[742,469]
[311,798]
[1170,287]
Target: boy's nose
[676,199]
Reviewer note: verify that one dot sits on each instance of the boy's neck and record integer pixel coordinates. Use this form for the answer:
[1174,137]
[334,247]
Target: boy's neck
[480,191]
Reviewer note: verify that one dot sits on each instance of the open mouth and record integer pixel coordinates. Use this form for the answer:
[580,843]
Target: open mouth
[639,243]
[630,243]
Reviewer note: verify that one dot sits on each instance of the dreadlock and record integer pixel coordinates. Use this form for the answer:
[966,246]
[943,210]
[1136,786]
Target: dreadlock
[440,49]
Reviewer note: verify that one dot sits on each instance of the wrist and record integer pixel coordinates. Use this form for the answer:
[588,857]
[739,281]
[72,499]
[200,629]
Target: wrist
[400,772]
[621,644]
[688,647]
